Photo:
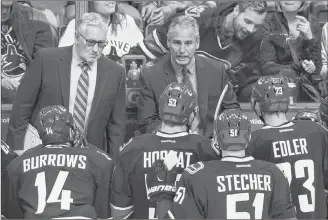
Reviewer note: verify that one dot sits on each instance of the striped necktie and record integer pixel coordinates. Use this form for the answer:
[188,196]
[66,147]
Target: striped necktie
[81,99]
[194,126]
[185,77]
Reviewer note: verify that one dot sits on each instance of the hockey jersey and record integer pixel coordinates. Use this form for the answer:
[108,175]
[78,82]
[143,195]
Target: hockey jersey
[58,181]
[299,149]
[129,189]
[7,155]
[233,188]
[239,56]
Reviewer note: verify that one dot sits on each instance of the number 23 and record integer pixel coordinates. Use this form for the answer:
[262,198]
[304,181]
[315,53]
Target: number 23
[300,165]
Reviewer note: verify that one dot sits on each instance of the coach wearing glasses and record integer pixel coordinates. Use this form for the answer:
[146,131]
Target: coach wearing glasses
[82,80]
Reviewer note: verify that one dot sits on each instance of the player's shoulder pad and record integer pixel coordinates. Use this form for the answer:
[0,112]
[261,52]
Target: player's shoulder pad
[194,168]
[28,151]
[98,151]
[104,154]
[125,147]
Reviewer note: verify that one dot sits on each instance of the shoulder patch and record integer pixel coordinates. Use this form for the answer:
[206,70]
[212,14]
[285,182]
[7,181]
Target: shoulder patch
[194,168]
[125,144]
[194,11]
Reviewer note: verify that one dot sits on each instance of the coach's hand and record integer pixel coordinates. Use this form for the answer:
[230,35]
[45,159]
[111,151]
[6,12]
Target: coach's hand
[160,182]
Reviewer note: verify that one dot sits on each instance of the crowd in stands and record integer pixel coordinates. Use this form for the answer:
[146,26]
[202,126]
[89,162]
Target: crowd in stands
[293,40]
[127,27]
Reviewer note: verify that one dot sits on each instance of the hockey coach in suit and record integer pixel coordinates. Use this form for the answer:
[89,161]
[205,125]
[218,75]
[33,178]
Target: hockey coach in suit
[80,79]
[207,78]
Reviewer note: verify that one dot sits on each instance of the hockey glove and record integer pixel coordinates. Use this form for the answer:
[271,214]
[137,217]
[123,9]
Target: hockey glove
[160,182]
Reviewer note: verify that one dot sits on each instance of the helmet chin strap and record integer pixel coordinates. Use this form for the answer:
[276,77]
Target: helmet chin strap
[260,115]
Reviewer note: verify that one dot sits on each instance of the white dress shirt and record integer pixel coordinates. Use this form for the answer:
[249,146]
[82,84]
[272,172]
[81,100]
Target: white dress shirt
[75,75]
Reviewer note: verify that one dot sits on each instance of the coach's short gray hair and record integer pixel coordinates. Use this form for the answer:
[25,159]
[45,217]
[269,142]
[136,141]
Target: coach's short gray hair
[91,19]
[185,21]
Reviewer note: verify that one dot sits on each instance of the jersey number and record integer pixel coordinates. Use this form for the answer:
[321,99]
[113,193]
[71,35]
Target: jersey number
[57,189]
[300,165]
[233,199]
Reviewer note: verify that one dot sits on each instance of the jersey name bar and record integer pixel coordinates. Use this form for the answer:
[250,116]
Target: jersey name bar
[56,160]
[150,157]
[240,182]
[289,148]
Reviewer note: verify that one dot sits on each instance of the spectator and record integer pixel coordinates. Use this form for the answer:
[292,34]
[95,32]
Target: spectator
[324,52]
[207,78]
[92,94]
[49,17]
[157,12]
[291,26]
[70,11]
[228,33]
[24,30]
[122,35]
[128,9]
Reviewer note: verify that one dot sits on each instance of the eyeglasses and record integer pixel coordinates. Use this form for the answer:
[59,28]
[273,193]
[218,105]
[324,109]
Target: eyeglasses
[92,43]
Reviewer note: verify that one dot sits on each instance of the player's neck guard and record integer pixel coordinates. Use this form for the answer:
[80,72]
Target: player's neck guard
[237,159]
[58,145]
[171,135]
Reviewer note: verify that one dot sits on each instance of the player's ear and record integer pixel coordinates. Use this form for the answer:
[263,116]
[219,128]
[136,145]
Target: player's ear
[236,11]
[197,43]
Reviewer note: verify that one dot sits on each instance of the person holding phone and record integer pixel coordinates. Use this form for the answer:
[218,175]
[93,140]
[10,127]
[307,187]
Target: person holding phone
[292,42]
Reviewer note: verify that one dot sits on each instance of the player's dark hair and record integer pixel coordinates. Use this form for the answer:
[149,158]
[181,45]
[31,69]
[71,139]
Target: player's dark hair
[214,16]
[259,6]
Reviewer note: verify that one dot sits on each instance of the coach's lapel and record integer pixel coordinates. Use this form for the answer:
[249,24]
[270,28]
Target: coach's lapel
[202,88]
[101,82]
[170,76]
[64,70]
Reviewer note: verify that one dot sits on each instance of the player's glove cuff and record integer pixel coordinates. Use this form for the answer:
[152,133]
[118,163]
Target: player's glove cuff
[161,182]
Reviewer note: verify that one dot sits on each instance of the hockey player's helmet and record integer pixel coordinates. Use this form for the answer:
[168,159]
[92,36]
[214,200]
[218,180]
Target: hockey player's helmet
[323,109]
[232,130]
[307,114]
[54,125]
[270,94]
[177,102]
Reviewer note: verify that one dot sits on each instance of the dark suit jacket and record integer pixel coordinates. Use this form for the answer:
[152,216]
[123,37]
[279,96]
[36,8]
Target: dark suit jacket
[211,79]
[47,83]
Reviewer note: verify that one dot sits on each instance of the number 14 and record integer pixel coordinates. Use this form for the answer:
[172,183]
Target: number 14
[40,183]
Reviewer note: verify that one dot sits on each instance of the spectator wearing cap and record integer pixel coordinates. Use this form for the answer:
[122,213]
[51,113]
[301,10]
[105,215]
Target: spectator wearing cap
[24,30]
